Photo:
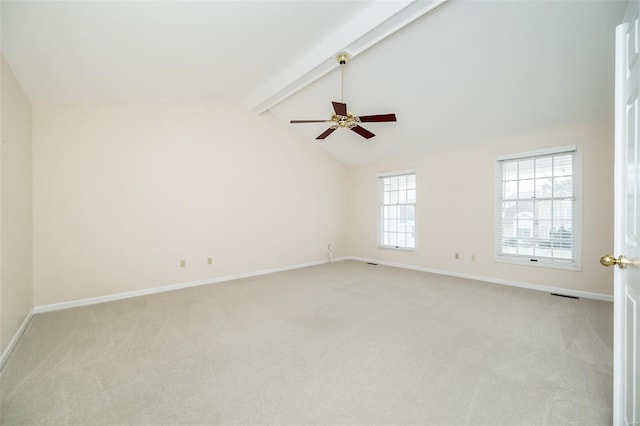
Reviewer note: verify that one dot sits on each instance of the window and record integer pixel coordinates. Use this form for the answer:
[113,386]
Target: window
[397,210]
[538,208]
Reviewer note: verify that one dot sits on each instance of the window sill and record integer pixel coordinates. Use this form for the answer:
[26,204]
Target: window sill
[397,248]
[543,263]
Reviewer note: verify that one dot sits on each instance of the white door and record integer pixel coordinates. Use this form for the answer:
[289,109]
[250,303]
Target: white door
[626,372]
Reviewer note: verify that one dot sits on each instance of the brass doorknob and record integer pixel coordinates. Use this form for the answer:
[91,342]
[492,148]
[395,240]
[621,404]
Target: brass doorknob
[608,260]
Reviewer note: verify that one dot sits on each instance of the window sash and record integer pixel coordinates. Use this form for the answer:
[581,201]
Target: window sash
[538,208]
[397,210]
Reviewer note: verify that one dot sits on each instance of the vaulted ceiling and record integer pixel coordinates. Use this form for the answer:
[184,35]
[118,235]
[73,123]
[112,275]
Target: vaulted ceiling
[465,72]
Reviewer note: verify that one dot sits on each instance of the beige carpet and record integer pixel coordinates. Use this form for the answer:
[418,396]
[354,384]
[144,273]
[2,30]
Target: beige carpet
[345,343]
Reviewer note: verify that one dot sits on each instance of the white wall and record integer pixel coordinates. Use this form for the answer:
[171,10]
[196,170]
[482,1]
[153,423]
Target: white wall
[123,193]
[16,285]
[456,208]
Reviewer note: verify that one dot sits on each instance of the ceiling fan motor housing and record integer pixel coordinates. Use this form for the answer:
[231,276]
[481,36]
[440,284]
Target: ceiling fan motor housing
[347,121]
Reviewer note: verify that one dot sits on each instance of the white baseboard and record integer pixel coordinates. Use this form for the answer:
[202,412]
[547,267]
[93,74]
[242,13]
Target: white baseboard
[108,298]
[14,341]
[530,286]
[171,287]
[154,290]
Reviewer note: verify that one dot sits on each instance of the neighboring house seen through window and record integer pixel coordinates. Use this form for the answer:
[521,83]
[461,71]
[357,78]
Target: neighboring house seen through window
[538,208]
[397,210]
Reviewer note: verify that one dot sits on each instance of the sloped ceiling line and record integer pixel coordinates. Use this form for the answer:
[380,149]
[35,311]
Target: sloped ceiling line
[375,24]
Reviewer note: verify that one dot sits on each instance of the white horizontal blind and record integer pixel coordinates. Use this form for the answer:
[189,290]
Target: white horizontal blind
[537,209]
[397,210]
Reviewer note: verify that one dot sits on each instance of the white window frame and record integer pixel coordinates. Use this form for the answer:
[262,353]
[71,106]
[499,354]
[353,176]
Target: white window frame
[574,264]
[380,204]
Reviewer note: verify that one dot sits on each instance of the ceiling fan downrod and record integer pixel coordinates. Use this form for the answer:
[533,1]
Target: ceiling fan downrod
[342,60]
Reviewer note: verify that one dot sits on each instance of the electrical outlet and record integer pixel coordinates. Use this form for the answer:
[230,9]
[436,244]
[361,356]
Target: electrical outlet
[210,260]
[456,256]
[473,257]
[183,263]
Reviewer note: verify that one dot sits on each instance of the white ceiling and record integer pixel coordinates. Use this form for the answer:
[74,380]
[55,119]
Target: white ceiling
[470,72]
[70,52]
[467,72]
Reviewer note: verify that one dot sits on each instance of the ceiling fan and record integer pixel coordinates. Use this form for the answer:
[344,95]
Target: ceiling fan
[344,118]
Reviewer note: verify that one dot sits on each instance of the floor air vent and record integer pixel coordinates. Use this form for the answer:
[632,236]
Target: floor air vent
[371,263]
[564,295]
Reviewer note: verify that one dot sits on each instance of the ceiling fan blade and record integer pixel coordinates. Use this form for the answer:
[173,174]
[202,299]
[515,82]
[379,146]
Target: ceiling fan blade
[340,108]
[326,133]
[309,121]
[378,118]
[362,132]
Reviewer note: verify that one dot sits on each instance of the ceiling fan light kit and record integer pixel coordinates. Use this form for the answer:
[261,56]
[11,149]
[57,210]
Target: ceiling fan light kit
[346,119]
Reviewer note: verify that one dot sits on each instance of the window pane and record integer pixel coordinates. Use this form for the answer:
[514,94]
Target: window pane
[510,170]
[509,206]
[543,210]
[411,196]
[525,189]
[562,165]
[542,229]
[563,187]
[524,230]
[402,213]
[543,188]
[411,240]
[510,190]
[411,212]
[563,211]
[402,182]
[563,253]
[544,167]
[393,184]
[561,238]
[411,181]
[509,246]
[393,197]
[525,209]
[525,250]
[393,212]
[525,169]
[543,250]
